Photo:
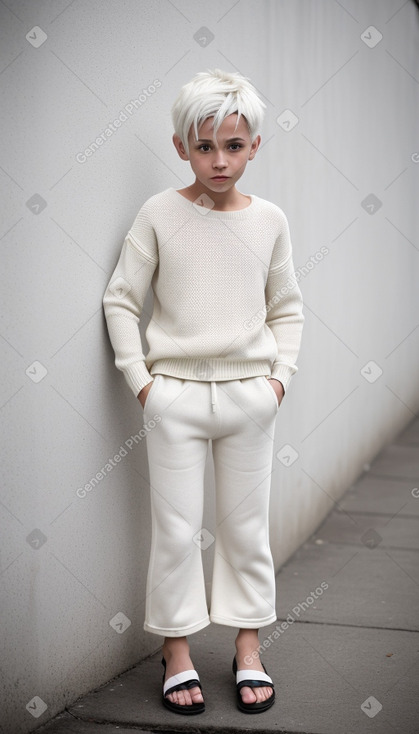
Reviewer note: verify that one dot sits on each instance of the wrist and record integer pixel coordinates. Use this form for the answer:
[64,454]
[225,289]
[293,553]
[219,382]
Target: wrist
[276,379]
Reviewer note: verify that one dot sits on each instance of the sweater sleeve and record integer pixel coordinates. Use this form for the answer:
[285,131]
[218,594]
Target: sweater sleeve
[284,306]
[124,299]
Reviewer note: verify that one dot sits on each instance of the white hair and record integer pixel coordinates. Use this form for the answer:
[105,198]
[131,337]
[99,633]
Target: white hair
[216,94]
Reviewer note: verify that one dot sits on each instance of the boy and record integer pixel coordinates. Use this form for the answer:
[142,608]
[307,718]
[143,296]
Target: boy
[223,340]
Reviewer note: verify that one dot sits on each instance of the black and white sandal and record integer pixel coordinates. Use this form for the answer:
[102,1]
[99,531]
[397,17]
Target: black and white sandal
[181,681]
[253,679]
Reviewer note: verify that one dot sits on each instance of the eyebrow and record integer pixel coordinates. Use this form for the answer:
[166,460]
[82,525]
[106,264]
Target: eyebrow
[230,140]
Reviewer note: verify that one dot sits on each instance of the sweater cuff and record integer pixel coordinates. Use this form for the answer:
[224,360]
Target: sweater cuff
[137,377]
[283,373]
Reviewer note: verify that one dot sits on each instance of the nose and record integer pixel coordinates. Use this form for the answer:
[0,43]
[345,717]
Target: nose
[219,160]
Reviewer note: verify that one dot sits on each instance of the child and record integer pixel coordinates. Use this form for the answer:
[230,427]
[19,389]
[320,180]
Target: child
[223,340]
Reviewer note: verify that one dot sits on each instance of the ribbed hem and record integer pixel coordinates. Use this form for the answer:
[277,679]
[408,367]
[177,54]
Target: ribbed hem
[244,623]
[182,632]
[283,373]
[137,376]
[207,370]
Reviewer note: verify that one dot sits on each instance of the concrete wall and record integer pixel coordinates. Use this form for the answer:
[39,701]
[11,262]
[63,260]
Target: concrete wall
[73,567]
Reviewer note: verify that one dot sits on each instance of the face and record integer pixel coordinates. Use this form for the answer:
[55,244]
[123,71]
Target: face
[219,164]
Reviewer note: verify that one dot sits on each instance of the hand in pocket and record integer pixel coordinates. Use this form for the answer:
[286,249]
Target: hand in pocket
[278,389]
[142,395]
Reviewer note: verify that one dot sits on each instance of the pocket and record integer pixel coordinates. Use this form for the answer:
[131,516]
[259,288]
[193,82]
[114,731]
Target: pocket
[272,391]
[151,391]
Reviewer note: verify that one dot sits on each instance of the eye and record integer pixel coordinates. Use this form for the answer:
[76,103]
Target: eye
[204,145]
[236,146]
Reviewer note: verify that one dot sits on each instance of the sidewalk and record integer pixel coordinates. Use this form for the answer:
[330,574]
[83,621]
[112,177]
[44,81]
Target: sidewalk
[343,656]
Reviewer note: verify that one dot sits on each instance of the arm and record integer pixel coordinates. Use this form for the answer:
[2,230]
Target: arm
[284,305]
[123,302]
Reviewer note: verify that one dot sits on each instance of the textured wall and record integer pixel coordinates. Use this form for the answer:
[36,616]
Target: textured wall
[339,154]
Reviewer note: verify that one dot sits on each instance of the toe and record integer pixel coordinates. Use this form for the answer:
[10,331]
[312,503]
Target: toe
[182,698]
[257,694]
[248,695]
[186,697]
[196,695]
[265,692]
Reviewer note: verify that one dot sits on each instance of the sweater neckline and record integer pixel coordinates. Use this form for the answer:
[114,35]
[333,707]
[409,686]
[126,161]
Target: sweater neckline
[214,213]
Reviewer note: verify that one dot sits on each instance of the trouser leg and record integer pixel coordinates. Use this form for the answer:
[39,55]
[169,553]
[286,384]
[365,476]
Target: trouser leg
[176,601]
[243,583]
[239,417]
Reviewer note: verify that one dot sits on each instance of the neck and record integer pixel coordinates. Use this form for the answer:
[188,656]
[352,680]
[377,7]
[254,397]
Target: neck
[223,200]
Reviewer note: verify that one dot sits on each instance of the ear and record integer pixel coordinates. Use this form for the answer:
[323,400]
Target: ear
[254,147]
[180,147]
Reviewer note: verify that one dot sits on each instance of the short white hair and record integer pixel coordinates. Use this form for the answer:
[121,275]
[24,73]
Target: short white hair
[216,94]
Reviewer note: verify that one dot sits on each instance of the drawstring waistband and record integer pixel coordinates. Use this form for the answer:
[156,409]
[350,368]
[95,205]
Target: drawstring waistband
[213,395]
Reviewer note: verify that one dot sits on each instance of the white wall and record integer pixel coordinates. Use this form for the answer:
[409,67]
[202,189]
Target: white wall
[357,108]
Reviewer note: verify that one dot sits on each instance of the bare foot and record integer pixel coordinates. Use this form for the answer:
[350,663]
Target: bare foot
[247,643]
[176,654]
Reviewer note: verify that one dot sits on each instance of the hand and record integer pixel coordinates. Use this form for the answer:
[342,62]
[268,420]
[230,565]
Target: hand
[278,388]
[142,395]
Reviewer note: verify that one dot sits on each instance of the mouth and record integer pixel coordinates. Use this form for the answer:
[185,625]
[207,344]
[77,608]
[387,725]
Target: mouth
[220,178]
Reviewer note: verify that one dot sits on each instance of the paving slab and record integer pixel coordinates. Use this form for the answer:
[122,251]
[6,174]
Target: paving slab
[66,723]
[324,675]
[377,587]
[388,531]
[371,494]
[398,460]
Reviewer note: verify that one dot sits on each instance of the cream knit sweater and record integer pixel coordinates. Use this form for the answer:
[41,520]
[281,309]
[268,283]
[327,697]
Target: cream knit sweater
[226,300]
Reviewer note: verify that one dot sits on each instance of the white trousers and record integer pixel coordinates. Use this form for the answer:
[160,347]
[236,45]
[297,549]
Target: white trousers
[239,417]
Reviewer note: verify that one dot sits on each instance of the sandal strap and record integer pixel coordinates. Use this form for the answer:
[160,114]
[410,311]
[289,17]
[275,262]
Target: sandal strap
[244,678]
[181,681]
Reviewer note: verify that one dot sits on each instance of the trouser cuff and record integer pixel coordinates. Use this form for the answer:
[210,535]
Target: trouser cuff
[181,632]
[244,623]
